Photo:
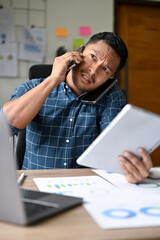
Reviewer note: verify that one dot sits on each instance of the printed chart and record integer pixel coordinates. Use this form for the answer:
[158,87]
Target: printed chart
[113,204]
[90,188]
[125,212]
[147,186]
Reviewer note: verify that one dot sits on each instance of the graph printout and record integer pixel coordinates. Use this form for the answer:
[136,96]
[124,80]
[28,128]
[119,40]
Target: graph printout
[32,46]
[110,204]
[125,211]
[90,188]
[8,59]
[147,186]
[7,29]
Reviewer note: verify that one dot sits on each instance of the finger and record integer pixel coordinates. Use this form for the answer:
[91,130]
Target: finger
[146,159]
[138,164]
[77,57]
[131,173]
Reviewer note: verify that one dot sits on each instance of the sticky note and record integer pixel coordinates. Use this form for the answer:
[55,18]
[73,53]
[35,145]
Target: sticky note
[77,43]
[61,32]
[84,30]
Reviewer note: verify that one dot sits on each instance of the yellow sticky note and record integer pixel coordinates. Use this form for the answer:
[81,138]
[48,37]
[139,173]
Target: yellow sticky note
[61,32]
[77,43]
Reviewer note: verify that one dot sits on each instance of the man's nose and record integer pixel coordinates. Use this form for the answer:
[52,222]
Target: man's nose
[93,68]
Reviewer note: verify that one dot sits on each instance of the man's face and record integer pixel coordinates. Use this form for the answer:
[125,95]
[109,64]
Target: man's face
[99,64]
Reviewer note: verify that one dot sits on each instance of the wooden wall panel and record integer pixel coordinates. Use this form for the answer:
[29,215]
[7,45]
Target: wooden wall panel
[139,27]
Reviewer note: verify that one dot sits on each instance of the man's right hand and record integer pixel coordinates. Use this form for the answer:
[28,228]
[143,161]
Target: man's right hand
[60,65]
[22,110]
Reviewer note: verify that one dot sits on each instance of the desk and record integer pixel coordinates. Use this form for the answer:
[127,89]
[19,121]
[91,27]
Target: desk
[74,224]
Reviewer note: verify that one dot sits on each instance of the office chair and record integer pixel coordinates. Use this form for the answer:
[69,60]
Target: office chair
[35,71]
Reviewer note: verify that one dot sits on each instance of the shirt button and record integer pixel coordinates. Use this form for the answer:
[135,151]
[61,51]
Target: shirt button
[71,119]
[65,164]
[67,140]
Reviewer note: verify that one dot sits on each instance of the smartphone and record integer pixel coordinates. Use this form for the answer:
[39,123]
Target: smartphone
[72,64]
[94,96]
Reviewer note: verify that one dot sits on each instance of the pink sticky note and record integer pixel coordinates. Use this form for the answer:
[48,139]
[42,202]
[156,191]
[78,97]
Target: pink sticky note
[85,30]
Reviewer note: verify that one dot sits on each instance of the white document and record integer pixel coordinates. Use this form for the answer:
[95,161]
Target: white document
[7,30]
[147,186]
[124,211]
[90,188]
[8,59]
[32,46]
[109,205]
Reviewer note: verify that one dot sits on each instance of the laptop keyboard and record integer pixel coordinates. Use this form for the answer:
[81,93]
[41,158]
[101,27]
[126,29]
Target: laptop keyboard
[33,209]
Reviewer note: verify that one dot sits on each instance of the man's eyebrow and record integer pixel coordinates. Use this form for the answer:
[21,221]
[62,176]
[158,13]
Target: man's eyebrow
[98,56]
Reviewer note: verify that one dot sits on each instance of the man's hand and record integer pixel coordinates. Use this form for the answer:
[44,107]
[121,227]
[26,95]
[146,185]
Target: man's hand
[134,168]
[60,65]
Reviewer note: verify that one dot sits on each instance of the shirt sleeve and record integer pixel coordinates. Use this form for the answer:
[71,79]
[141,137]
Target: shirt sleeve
[21,90]
[115,101]
[25,87]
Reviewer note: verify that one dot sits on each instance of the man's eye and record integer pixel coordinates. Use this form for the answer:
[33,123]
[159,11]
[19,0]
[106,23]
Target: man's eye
[106,70]
[93,56]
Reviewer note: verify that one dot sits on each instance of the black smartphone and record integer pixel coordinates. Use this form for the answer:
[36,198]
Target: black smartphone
[94,96]
[72,64]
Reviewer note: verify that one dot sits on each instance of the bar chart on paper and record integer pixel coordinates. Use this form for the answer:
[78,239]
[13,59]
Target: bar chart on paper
[88,187]
[108,205]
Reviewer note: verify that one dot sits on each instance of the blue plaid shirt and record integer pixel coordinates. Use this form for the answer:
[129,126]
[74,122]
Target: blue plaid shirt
[65,126]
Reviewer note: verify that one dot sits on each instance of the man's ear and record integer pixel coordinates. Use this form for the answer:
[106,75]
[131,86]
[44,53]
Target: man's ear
[113,76]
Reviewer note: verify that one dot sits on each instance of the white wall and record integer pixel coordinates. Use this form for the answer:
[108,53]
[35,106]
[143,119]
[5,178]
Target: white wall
[70,14]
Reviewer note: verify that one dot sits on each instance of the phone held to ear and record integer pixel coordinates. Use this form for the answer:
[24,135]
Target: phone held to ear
[72,64]
[94,96]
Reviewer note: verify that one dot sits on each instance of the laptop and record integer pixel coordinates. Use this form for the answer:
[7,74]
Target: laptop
[24,206]
[133,127]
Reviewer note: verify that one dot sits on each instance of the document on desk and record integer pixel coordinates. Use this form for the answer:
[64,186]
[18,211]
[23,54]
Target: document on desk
[125,211]
[90,188]
[147,186]
[110,206]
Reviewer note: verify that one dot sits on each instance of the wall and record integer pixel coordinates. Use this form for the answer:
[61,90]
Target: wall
[59,13]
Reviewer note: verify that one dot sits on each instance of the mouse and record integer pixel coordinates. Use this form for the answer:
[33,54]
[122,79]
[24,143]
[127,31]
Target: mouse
[154,173]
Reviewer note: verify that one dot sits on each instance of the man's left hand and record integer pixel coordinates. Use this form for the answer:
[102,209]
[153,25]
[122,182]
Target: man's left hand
[135,169]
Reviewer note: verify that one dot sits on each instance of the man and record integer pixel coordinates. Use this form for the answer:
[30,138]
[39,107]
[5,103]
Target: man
[59,126]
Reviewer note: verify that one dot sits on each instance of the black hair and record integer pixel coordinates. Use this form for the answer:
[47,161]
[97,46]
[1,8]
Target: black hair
[60,51]
[115,42]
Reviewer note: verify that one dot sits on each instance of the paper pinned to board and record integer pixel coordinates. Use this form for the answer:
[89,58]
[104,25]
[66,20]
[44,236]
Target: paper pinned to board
[8,59]
[32,46]
[7,30]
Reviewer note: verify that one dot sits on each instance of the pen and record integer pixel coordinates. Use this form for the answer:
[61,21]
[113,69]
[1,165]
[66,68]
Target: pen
[20,179]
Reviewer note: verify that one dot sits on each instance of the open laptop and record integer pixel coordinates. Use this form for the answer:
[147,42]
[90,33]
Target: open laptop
[20,206]
[133,127]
